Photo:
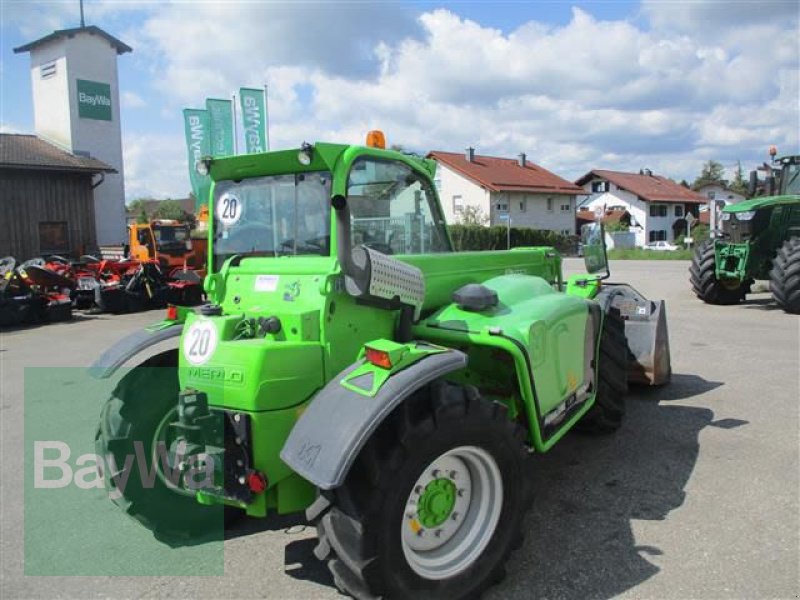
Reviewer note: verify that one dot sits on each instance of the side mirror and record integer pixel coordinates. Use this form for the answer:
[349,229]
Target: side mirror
[593,237]
[752,185]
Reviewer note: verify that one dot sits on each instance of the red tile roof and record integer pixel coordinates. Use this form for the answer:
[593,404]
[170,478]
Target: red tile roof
[651,188]
[505,174]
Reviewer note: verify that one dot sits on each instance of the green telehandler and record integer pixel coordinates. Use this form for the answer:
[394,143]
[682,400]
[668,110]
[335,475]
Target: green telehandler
[350,365]
[760,239]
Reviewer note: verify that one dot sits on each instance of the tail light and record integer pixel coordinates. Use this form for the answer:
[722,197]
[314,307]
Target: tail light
[172,313]
[379,358]
[257,482]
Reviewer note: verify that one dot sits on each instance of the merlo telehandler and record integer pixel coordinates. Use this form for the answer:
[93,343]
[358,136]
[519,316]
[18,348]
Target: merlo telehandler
[351,365]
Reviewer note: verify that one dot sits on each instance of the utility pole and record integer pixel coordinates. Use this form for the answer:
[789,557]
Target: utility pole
[83,22]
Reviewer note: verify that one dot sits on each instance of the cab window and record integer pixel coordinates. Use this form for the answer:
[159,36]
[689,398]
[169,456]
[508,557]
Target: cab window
[393,209]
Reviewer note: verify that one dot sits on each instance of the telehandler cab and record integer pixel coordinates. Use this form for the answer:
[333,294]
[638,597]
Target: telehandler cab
[351,365]
[760,239]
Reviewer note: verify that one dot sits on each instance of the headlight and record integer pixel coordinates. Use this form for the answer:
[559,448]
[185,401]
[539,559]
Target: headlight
[726,216]
[746,215]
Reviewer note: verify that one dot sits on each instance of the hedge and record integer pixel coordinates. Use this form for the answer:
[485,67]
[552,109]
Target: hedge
[477,237]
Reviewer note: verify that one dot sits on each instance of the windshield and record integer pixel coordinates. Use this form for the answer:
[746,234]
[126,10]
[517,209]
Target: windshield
[167,234]
[278,215]
[790,179]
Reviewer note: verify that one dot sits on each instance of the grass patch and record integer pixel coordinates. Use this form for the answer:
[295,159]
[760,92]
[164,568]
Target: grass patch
[642,254]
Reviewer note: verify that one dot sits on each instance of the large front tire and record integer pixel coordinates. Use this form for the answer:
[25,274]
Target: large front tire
[434,503]
[608,410]
[706,286]
[784,278]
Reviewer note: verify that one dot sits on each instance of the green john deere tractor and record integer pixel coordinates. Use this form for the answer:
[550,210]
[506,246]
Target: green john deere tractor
[351,365]
[760,239]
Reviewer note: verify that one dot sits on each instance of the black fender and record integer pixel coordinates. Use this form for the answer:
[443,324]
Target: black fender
[338,422]
[128,347]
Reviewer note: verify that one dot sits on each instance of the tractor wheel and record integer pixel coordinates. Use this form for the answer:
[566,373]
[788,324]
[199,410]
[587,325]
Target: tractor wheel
[608,410]
[702,275]
[131,422]
[784,278]
[434,503]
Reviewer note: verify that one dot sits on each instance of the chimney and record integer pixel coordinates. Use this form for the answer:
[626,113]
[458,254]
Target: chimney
[470,154]
[521,159]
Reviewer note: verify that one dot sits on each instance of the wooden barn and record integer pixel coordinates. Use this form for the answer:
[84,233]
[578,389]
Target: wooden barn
[46,198]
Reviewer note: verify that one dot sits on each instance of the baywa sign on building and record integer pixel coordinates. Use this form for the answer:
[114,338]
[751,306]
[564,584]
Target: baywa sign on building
[94,100]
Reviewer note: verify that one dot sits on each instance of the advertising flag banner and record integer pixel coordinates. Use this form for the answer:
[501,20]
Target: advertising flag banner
[220,114]
[254,119]
[198,145]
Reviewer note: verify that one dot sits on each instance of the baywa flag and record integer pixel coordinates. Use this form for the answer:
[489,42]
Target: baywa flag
[254,119]
[198,145]
[220,114]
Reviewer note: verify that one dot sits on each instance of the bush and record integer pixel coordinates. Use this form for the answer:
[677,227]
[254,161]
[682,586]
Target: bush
[474,237]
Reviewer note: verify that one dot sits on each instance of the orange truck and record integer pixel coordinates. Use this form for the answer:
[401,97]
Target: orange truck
[166,240]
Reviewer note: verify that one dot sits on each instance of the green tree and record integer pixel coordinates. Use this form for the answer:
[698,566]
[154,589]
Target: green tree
[170,209]
[473,215]
[738,185]
[142,218]
[712,172]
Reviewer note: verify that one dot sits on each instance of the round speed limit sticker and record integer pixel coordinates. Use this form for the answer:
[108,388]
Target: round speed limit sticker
[229,209]
[199,342]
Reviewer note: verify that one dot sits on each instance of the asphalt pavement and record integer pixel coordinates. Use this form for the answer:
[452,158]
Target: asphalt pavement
[697,495]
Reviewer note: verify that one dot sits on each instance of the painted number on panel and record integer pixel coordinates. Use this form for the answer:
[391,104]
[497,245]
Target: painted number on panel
[200,342]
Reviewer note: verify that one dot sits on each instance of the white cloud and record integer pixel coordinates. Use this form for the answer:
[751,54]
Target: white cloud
[683,83]
[132,100]
[155,166]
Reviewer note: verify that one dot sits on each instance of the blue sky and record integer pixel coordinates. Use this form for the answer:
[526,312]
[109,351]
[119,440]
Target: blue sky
[576,85]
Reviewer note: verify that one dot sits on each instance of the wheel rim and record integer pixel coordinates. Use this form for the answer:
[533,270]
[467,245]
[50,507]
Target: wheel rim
[162,436]
[451,512]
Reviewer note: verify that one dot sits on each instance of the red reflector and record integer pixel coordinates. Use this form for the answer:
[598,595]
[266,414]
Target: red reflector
[256,482]
[172,313]
[379,358]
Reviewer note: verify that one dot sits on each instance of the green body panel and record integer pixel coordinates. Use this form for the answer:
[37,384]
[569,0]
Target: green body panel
[533,335]
[756,203]
[272,377]
[401,356]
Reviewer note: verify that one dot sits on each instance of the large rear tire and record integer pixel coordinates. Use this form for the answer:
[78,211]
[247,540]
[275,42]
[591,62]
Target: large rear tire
[130,421]
[702,275]
[434,503]
[784,278]
[608,411]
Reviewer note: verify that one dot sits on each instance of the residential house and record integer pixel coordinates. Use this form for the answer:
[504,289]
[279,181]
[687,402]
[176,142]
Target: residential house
[657,205]
[720,192]
[528,194]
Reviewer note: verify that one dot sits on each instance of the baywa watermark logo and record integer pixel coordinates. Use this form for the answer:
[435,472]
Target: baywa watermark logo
[52,468]
[129,498]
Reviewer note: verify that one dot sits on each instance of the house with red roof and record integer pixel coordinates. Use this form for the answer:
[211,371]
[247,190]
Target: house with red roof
[501,188]
[657,205]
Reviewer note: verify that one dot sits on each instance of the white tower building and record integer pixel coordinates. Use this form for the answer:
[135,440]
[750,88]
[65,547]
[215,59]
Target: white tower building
[76,106]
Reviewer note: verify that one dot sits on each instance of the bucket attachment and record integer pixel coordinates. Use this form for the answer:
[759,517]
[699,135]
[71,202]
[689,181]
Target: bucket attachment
[646,332]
